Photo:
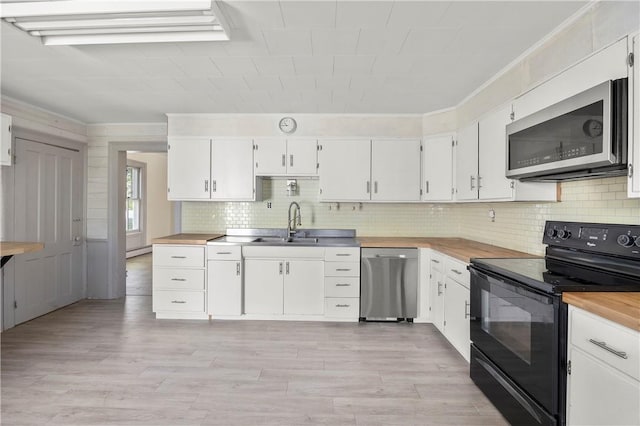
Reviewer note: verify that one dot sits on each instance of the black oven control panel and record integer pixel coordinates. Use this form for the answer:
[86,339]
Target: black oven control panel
[596,237]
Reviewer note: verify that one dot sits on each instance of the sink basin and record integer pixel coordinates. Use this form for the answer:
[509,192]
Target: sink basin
[291,240]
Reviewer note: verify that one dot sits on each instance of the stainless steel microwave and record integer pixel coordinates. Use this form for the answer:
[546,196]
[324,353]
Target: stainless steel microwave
[582,137]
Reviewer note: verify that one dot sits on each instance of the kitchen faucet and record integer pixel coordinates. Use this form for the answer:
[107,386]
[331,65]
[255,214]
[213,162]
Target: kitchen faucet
[296,221]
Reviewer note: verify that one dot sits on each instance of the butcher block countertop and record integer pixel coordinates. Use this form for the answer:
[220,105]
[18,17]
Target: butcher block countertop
[458,248]
[623,308]
[9,248]
[193,239]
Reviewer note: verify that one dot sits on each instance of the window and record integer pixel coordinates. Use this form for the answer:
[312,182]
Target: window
[134,177]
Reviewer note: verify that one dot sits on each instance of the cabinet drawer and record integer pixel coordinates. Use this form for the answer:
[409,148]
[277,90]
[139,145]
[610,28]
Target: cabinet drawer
[180,256]
[602,338]
[178,301]
[458,272]
[224,252]
[437,261]
[342,287]
[342,254]
[342,307]
[175,278]
[342,269]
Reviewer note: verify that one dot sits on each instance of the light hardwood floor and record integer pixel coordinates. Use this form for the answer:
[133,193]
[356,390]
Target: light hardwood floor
[139,275]
[112,362]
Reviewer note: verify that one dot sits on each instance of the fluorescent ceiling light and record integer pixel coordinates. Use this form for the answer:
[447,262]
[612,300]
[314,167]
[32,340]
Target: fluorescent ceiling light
[60,22]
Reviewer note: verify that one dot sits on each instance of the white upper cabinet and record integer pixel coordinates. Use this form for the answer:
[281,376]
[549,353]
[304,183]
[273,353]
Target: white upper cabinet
[345,170]
[5,140]
[188,168]
[634,120]
[232,169]
[492,148]
[437,168]
[467,163]
[395,170]
[285,157]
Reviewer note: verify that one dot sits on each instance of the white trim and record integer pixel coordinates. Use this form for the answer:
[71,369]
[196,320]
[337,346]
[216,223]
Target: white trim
[138,252]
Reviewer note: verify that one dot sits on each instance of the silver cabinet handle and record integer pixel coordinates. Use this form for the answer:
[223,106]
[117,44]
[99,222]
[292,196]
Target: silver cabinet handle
[178,279]
[343,285]
[375,187]
[439,287]
[287,268]
[456,271]
[368,187]
[479,179]
[604,346]
[223,252]
[343,269]
[435,261]
[467,314]
[179,301]
[238,268]
[343,254]
[214,186]
[342,306]
[473,178]
[178,257]
[291,160]
[284,160]
[206,185]
[427,186]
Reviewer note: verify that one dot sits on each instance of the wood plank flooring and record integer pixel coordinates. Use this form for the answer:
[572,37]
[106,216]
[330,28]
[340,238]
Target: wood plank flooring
[139,275]
[112,362]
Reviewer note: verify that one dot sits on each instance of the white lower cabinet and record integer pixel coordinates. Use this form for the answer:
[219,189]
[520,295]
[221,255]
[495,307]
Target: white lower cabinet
[263,286]
[224,281]
[179,281]
[304,287]
[436,290]
[603,384]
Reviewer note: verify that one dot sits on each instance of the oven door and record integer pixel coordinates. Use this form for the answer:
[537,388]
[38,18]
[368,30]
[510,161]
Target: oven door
[518,330]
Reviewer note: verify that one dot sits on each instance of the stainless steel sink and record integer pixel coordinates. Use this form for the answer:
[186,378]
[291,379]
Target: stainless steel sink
[278,237]
[291,240]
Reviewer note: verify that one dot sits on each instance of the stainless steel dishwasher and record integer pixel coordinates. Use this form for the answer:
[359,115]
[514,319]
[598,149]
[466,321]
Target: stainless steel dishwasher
[388,284]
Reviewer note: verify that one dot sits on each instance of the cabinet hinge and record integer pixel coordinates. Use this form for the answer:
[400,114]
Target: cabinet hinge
[420,191]
[255,147]
[317,166]
[319,147]
[168,189]
[168,147]
[630,59]
[630,170]
[512,116]
[15,304]
[453,142]
[256,164]
[444,323]
[569,367]
[321,190]
[453,191]
[512,184]
[420,148]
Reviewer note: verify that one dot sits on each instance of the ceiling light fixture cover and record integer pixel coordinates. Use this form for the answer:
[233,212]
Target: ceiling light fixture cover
[77,22]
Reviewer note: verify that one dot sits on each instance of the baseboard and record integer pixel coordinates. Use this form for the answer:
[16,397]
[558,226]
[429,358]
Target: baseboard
[138,251]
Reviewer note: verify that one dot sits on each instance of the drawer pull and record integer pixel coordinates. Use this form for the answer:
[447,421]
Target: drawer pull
[343,269]
[178,279]
[342,306]
[467,314]
[178,257]
[456,271]
[343,254]
[439,287]
[223,252]
[435,261]
[178,301]
[343,285]
[604,346]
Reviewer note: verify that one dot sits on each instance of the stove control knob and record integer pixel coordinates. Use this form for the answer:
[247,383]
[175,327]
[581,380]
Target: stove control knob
[564,234]
[552,233]
[638,241]
[625,240]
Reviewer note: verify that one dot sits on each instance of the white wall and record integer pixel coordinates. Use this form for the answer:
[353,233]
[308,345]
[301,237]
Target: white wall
[159,211]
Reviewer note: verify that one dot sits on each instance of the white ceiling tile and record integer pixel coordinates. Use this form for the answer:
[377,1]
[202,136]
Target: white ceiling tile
[234,65]
[313,65]
[381,41]
[243,14]
[334,41]
[353,64]
[163,67]
[335,82]
[393,64]
[286,96]
[366,81]
[317,95]
[298,82]
[204,48]
[417,14]
[263,82]
[274,65]
[197,66]
[229,84]
[308,14]
[429,41]
[288,42]
[197,84]
[255,96]
[363,14]
[164,84]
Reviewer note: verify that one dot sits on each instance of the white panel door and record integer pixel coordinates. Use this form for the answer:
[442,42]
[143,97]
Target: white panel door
[345,170]
[5,140]
[492,148]
[263,286]
[634,121]
[232,169]
[467,163]
[456,319]
[302,157]
[48,209]
[395,169]
[437,168]
[270,157]
[304,287]
[188,168]
[224,287]
[436,298]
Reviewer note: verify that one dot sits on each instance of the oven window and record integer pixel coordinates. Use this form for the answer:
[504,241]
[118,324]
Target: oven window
[507,323]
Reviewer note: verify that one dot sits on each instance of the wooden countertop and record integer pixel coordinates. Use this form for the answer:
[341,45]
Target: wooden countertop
[623,308]
[186,239]
[9,248]
[458,248]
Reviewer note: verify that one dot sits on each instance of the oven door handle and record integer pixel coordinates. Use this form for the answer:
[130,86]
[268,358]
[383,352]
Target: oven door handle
[514,393]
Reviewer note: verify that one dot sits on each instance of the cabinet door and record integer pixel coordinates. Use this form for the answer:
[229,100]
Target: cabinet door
[437,168]
[456,316]
[436,299]
[188,168]
[270,157]
[492,148]
[634,122]
[345,170]
[304,287]
[232,169]
[598,394]
[467,163]
[224,292]
[5,140]
[395,170]
[263,286]
[302,157]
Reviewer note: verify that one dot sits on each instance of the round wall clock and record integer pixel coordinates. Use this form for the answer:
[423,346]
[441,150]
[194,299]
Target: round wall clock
[592,128]
[288,125]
